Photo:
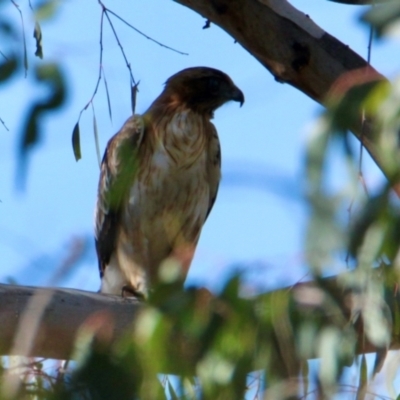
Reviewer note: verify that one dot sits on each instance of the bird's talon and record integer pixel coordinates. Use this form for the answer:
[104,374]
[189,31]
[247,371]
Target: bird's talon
[128,291]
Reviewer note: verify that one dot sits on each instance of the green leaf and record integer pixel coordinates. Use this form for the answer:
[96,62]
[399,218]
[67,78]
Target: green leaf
[378,94]
[347,112]
[37,34]
[329,342]
[315,157]
[304,374]
[363,378]
[107,95]
[76,145]
[134,90]
[7,68]
[371,213]
[377,321]
[324,235]
[385,18]
[48,76]
[7,28]
[46,9]
[96,137]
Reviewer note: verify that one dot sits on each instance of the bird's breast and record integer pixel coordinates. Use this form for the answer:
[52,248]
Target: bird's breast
[170,199]
[182,138]
[168,187]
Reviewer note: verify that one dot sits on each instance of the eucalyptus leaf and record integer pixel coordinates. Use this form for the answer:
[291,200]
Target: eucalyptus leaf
[372,211]
[96,138]
[46,9]
[134,90]
[49,76]
[363,381]
[324,236]
[108,96]
[76,142]
[37,34]
[328,344]
[8,68]
[385,19]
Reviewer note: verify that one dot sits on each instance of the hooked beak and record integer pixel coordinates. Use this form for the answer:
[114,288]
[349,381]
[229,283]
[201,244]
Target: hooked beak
[237,95]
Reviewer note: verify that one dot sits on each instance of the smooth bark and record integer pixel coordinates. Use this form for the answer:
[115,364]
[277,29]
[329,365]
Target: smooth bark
[298,52]
[59,315]
[62,314]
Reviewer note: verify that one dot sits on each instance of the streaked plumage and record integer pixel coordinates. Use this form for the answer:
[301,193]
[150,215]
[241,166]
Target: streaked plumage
[159,180]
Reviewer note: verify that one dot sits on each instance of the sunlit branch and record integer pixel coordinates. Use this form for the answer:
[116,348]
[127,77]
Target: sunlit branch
[296,51]
[68,310]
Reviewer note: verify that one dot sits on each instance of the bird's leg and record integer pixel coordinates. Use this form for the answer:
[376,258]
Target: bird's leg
[183,254]
[129,291]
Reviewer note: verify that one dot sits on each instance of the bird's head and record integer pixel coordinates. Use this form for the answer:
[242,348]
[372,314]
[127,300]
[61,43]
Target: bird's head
[202,89]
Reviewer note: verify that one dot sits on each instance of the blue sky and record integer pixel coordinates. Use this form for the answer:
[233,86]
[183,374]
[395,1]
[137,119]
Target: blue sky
[259,218]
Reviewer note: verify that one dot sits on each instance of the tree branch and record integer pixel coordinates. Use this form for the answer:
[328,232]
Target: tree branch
[62,313]
[296,51]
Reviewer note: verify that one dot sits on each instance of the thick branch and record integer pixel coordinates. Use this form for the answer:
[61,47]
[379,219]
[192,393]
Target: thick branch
[61,314]
[294,49]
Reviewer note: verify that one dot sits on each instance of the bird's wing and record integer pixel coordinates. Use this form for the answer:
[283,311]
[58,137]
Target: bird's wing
[213,167]
[118,170]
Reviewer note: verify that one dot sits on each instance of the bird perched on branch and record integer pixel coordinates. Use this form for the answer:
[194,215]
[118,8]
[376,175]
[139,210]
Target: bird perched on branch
[159,180]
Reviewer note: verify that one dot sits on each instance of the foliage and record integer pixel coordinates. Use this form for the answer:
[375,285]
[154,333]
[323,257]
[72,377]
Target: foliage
[48,75]
[209,345]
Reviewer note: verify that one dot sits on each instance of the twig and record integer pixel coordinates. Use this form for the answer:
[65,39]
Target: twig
[105,11]
[23,35]
[360,162]
[128,65]
[140,32]
[100,66]
[4,124]
[134,90]
[5,57]
[290,288]
[207,24]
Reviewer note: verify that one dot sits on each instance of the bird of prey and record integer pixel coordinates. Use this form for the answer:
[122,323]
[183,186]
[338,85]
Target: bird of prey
[159,180]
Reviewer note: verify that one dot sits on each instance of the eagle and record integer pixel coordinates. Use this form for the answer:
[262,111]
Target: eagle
[158,182]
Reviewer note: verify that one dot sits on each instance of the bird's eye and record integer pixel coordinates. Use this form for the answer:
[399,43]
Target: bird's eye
[213,83]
